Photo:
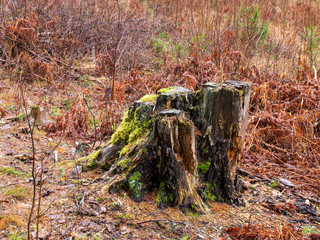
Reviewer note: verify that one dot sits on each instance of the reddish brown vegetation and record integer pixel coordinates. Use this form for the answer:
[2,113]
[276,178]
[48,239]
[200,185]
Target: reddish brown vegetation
[259,232]
[71,123]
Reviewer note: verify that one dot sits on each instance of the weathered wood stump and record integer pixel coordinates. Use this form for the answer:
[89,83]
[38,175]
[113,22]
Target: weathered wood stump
[185,145]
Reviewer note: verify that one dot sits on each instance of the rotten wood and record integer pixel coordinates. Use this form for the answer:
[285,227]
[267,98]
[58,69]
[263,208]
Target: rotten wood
[185,145]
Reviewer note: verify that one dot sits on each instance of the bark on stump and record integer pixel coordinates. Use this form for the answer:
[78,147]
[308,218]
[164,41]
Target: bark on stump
[185,145]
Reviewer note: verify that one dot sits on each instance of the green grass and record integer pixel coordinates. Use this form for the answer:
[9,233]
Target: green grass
[17,192]
[15,234]
[11,171]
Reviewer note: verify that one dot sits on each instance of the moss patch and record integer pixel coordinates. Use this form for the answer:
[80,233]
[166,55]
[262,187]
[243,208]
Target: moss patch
[90,160]
[134,129]
[124,163]
[204,167]
[191,211]
[134,123]
[132,145]
[208,191]
[163,196]
[166,90]
[135,185]
[152,98]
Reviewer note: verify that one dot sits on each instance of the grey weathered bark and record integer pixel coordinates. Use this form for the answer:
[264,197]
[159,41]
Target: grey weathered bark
[186,145]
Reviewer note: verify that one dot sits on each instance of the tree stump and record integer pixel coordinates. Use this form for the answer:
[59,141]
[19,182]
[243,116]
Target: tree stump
[185,145]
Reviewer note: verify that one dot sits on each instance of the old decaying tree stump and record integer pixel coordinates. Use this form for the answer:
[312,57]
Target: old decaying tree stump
[184,145]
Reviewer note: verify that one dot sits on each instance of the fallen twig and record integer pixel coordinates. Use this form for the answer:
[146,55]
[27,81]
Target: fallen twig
[155,220]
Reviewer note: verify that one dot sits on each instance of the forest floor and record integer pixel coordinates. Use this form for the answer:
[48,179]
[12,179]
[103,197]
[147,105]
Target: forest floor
[73,207]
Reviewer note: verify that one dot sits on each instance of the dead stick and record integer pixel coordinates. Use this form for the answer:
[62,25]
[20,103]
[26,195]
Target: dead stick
[94,123]
[154,220]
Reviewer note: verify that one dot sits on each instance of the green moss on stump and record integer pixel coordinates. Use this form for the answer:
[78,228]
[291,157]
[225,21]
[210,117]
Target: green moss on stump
[204,167]
[166,90]
[208,191]
[133,125]
[132,145]
[124,130]
[152,98]
[124,163]
[135,185]
[89,162]
[164,197]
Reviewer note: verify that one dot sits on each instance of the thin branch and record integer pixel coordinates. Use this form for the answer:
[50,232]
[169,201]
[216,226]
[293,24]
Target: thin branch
[94,122]
[31,130]
[155,220]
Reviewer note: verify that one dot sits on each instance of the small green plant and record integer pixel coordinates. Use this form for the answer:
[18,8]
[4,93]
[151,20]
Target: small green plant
[158,46]
[15,234]
[311,36]
[97,236]
[185,237]
[253,29]
[126,216]
[10,107]
[82,237]
[307,230]
[274,184]
[179,49]
[63,173]
[68,104]
[20,117]
[55,111]
[164,46]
